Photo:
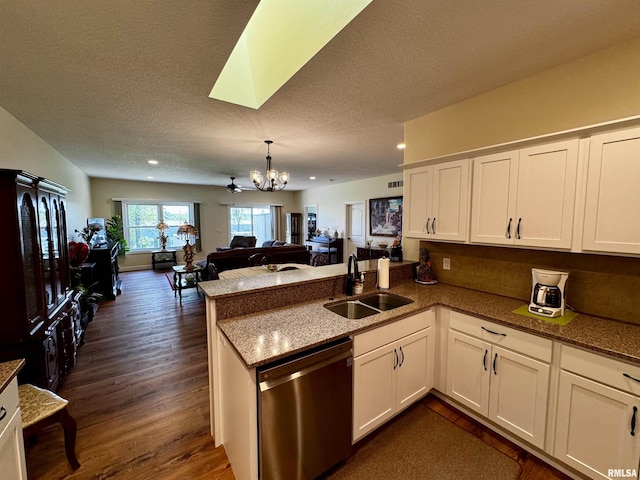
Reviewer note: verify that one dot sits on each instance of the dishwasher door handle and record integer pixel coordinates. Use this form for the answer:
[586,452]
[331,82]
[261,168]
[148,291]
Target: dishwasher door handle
[269,384]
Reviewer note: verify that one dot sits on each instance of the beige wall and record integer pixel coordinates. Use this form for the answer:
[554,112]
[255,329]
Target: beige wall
[21,149]
[596,88]
[332,200]
[214,207]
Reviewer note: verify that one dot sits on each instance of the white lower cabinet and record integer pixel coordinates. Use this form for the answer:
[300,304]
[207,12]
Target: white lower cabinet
[598,422]
[507,385]
[12,459]
[393,367]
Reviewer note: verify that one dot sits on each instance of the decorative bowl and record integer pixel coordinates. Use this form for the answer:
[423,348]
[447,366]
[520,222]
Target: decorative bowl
[272,267]
[383,245]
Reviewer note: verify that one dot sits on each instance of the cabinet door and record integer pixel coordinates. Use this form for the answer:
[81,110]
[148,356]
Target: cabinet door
[31,259]
[612,194]
[449,212]
[494,198]
[415,367]
[518,396]
[417,197]
[546,195]
[468,363]
[12,460]
[594,427]
[374,389]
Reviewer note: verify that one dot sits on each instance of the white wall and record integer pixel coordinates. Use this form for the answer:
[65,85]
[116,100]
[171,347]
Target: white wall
[21,149]
[332,200]
[213,211]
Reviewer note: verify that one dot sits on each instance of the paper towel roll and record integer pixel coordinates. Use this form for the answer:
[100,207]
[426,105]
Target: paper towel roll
[383,273]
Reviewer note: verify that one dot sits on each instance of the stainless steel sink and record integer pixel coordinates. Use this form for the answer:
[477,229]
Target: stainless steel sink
[351,309]
[368,305]
[385,301]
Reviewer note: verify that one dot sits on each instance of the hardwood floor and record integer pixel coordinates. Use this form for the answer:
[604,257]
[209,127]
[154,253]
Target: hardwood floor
[139,394]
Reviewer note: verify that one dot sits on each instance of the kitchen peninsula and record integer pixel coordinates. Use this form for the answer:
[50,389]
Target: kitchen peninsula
[243,335]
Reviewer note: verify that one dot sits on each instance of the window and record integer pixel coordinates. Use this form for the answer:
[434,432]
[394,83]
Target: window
[256,221]
[140,219]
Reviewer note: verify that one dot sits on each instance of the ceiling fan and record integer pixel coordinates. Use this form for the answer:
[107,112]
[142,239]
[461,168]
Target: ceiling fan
[232,187]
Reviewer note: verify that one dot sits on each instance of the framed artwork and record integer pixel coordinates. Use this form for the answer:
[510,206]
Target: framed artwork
[385,216]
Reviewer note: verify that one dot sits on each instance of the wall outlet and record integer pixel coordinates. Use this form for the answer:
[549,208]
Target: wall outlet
[446,263]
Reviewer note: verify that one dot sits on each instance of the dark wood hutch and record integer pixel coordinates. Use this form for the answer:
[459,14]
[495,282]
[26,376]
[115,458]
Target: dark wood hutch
[41,317]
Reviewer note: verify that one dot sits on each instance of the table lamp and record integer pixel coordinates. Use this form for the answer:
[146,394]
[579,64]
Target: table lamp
[162,227]
[185,232]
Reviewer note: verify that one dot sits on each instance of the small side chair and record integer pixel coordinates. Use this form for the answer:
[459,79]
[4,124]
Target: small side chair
[40,408]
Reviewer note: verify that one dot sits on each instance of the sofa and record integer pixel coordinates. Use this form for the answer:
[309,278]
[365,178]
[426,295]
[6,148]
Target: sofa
[239,241]
[219,261]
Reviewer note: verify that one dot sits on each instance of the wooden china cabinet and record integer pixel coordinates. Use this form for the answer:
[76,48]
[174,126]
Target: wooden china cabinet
[40,318]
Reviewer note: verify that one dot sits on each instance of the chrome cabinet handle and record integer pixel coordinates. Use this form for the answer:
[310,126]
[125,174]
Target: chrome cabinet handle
[633,422]
[491,331]
[402,353]
[518,229]
[433,226]
[428,219]
[632,378]
[509,228]
[3,413]
[494,364]
[484,360]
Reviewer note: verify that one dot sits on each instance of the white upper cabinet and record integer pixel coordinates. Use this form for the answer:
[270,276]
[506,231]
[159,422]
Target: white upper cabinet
[493,204]
[437,197]
[417,201]
[526,197]
[612,194]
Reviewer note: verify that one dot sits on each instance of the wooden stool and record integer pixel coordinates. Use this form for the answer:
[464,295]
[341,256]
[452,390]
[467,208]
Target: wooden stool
[40,408]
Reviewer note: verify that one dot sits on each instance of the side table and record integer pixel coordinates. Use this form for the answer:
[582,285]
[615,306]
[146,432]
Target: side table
[180,283]
[163,257]
[371,253]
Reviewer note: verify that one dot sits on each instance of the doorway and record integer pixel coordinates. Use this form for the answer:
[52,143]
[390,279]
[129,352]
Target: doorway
[355,228]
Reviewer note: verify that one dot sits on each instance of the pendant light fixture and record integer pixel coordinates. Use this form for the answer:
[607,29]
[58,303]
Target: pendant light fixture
[271,181]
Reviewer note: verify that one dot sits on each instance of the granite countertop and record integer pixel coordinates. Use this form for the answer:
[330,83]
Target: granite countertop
[263,337]
[8,370]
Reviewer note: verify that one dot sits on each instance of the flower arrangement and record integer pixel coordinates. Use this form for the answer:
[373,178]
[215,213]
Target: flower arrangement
[87,233]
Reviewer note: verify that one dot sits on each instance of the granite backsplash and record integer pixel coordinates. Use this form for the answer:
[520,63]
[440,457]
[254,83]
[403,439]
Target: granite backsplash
[601,285]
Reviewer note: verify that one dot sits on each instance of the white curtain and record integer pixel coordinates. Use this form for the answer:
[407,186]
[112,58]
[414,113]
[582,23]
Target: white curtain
[276,222]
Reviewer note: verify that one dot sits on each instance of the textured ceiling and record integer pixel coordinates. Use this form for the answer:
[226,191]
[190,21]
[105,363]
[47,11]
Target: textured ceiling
[110,84]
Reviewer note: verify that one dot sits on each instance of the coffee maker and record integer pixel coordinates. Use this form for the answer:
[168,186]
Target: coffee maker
[548,293]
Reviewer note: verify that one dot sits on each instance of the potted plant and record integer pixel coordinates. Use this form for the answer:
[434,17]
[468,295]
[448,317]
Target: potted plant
[115,234]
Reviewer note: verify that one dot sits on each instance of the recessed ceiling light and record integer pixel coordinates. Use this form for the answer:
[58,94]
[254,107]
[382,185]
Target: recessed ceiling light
[150,178]
[152,162]
[401,146]
[312,178]
[278,40]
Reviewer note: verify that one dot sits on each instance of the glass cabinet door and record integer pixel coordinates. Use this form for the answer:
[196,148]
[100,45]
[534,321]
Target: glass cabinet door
[31,258]
[58,247]
[47,252]
[63,247]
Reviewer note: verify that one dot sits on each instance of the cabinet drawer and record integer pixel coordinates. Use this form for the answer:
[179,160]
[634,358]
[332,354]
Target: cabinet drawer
[604,369]
[365,342]
[521,342]
[8,401]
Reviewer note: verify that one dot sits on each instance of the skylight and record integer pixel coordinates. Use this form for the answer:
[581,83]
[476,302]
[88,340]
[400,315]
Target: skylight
[280,38]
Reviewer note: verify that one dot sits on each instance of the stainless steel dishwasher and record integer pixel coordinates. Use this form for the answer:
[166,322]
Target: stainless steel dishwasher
[305,411]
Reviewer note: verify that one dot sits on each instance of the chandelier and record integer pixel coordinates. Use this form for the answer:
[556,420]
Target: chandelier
[272,181]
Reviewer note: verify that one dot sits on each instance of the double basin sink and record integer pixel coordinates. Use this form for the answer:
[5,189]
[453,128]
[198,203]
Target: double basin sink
[368,305]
